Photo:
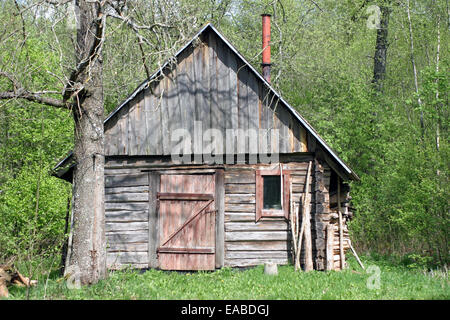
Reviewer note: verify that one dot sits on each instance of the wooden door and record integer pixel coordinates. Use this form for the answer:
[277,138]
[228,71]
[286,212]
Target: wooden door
[186,222]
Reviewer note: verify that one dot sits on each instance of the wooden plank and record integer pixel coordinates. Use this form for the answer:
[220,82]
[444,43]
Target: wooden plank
[186,250]
[111,137]
[165,119]
[258,196]
[127,247]
[215,114]
[153,223]
[119,190]
[126,206]
[201,104]
[118,267]
[121,171]
[140,125]
[253,110]
[223,116]
[122,124]
[284,119]
[239,207]
[239,216]
[174,109]
[152,113]
[303,140]
[240,198]
[231,188]
[254,262]
[205,85]
[220,218]
[126,180]
[263,147]
[306,221]
[234,90]
[131,216]
[262,225]
[126,197]
[274,254]
[341,231]
[298,179]
[256,235]
[185,92]
[243,116]
[256,245]
[127,237]
[329,248]
[184,196]
[240,176]
[114,258]
[125,226]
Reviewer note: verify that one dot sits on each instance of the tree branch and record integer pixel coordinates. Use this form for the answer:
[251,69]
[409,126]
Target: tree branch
[71,87]
[19,92]
[34,97]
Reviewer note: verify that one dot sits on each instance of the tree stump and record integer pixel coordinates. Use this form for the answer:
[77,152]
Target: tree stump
[271,269]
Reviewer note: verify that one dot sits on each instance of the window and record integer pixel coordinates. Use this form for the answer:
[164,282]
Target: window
[272,194]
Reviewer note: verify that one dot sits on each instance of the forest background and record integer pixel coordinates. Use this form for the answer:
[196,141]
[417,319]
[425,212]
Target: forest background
[378,94]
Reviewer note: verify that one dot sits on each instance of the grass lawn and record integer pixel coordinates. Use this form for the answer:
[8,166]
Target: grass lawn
[395,282]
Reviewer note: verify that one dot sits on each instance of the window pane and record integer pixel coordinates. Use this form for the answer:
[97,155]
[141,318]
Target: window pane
[272,192]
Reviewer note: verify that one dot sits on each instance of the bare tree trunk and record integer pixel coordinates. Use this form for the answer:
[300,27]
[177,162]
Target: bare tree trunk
[89,245]
[438,49]
[413,62]
[381,46]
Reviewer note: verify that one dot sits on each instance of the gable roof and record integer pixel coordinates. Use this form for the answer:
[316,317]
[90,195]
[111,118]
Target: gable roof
[346,169]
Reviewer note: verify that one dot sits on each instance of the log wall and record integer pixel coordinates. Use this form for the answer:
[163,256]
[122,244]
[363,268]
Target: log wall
[249,243]
[246,243]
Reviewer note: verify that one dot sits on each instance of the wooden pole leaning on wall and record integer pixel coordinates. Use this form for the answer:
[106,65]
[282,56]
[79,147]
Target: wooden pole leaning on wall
[293,222]
[306,221]
[341,231]
[355,254]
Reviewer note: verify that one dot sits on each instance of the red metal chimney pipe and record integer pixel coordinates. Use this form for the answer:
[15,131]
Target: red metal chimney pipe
[266,46]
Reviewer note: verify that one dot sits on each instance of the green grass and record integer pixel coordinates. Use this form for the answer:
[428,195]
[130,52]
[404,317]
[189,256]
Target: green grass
[396,282]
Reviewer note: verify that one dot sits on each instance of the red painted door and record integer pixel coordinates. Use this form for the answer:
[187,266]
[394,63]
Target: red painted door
[186,222]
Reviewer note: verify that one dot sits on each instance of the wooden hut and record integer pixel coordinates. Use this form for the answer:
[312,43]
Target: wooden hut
[181,194]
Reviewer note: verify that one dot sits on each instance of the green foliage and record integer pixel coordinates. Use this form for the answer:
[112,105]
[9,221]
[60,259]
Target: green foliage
[322,54]
[32,220]
[396,282]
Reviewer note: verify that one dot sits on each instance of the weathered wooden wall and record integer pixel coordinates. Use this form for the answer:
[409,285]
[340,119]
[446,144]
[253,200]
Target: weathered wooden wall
[246,243]
[126,213]
[211,86]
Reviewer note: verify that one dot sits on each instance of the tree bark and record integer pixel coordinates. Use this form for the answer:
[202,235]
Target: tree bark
[381,46]
[89,245]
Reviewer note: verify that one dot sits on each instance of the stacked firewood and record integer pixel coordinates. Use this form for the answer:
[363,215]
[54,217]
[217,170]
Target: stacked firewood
[10,276]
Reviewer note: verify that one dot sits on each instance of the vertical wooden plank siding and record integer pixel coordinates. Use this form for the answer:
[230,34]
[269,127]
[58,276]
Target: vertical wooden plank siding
[223,93]
[233,91]
[213,83]
[153,225]
[243,114]
[220,215]
[187,227]
[122,124]
[165,120]
[209,84]
[253,110]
